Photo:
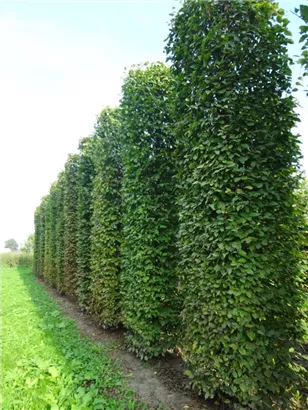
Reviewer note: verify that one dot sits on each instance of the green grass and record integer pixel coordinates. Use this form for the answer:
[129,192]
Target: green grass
[45,363]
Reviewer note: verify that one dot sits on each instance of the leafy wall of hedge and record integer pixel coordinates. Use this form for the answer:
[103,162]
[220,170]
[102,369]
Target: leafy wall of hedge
[149,281]
[70,221]
[47,238]
[237,173]
[41,234]
[185,199]
[50,235]
[53,208]
[84,213]
[60,227]
[36,249]
[107,218]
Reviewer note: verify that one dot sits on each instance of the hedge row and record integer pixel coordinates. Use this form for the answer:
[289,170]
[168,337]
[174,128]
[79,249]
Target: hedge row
[37,241]
[106,219]
[239,257]
[84,214]
[50,235]
[60,229]
[178,218]
[149,281]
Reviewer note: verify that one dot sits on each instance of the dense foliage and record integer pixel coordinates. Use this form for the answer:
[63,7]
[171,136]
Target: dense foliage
[70,221]
[59,227]
[41,235]
[28,245]
[50,235]
[238,224]
[106,219]
[84,213]
[183,215]
[52,209]
[303,14]
[47,240]
[149,283]
[37,244]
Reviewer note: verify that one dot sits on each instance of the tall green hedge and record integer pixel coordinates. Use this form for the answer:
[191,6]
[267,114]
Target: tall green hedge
[84,213]
[47,238]
[107,218]
[185,199]
[70,221]
[149,282]
[50,235]
[238,225]
[37,244]
[42,234]
[53,204]
[59,233]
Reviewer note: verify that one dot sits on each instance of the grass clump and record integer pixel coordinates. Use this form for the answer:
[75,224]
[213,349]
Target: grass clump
[13,259]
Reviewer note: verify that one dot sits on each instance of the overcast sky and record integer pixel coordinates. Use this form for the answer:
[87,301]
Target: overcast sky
[61,62]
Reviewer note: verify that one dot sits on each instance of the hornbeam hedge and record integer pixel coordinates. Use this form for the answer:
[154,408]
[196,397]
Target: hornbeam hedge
[39,238]
[149,281]
[42,234]
[70,221]
[180,217]
[106,219]
[238,163]
[37,244]
[84,213]
[59,235]
[47,258]
[50,235]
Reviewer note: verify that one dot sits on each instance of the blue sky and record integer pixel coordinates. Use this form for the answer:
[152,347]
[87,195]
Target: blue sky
[62,61]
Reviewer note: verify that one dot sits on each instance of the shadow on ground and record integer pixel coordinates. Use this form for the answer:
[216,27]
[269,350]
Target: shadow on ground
[160,384]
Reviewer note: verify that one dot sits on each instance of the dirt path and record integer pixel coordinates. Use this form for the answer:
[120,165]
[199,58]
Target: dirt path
[161,383]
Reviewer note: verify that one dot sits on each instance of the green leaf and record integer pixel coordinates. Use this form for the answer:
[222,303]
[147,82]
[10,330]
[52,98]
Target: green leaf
[53,371]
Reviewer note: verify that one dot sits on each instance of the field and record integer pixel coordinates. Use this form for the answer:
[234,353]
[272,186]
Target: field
[45,363]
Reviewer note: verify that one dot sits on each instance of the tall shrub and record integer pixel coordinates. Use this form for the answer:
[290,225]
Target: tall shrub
[237,173]
[149,283]
[47,255]
[107,218]
[42,234]
[37,245]
[53,207]
[50,234]
[59,233]
[70,221]
[84,213]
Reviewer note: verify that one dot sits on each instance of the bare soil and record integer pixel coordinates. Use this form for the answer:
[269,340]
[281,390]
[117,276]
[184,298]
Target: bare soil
[161,384]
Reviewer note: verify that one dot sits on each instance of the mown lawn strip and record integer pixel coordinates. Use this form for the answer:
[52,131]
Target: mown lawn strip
[45,363]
